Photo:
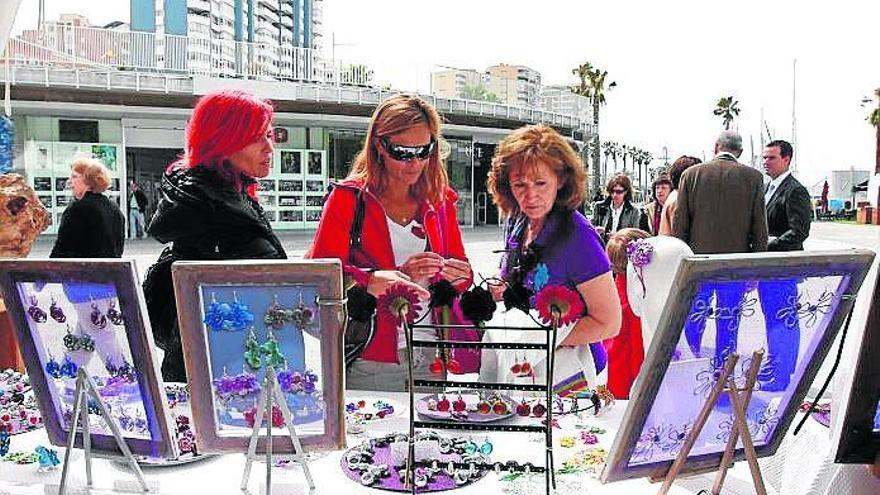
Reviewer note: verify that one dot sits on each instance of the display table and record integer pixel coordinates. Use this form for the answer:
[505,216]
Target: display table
[801,467]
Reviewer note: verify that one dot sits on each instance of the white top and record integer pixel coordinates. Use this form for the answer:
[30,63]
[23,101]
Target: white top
[615,213]
[405,243]
[774,185]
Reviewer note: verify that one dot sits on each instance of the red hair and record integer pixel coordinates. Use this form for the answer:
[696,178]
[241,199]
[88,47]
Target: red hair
[223,122]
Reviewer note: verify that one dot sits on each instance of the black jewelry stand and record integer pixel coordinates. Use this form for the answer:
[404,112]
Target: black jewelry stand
[547,429]
[270,395]
[86,388]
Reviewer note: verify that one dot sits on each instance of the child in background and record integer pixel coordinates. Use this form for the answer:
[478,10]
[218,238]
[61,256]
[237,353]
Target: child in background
[626,350]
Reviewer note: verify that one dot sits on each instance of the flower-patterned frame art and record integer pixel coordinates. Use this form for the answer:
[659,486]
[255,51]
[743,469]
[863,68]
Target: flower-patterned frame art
[856,411]
[236,317]
[806,297]
[74,314]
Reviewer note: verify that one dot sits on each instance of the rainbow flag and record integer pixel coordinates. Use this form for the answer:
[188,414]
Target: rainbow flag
[570,385]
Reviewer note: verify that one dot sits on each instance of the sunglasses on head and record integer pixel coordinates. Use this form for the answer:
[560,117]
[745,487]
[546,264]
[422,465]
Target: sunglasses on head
[407,153]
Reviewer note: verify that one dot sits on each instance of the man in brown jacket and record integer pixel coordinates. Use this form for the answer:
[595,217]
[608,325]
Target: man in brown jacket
[721,203]
[721,210]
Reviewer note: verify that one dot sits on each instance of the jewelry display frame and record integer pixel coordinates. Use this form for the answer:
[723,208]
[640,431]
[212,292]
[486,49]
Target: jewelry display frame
[851,265]
[545,387]
[326,276]
[122,274]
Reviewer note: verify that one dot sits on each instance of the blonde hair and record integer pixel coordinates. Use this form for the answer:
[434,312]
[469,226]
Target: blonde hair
[93,172]
[529,146]
[616,247]
[395,115]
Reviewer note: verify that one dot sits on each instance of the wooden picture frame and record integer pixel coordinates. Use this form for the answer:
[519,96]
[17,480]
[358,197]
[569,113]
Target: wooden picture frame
[214,347]
[101,301]
[856,412]
[811,292]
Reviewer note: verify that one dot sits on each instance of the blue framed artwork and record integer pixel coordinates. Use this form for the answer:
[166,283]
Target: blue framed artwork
[791,305]
[71,315]
[237,319]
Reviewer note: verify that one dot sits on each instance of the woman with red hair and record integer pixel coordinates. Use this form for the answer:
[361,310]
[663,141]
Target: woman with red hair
[207,204]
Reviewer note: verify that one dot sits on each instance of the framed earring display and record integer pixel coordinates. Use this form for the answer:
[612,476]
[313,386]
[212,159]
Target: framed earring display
[856,410]
[790,305]
[76,315]
[239,318]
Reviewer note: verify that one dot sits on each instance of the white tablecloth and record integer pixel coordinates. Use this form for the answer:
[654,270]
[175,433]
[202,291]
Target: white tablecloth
[800,467]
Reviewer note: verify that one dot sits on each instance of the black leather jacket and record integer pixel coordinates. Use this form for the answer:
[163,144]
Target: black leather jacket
[630,217]
[205,218]
[91,227]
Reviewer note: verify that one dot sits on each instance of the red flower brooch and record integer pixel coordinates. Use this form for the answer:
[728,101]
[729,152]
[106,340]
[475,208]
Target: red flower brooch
[397,299]
[561,301]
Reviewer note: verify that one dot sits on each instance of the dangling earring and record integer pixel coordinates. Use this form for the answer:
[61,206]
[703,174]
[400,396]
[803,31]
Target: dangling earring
[459,404]
[452,365]
[114,315]
[36,314]
[523,408]
[240,316]
[437,366]
[443,404]
[516,369]
[526,367]
[538,410]
[302,315]
[56,312]
[69,368]
[98,319]
[87,343]
[483,407]
[216,314]
[252,352]
[53,369]
[275,315]
[271,351]
[70,341]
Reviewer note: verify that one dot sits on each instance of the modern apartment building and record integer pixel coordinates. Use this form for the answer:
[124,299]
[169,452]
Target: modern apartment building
[560,99]
[514,84]
[451,83]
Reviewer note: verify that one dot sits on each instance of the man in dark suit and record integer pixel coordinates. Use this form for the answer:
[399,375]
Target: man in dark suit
[720,209]
[788,218]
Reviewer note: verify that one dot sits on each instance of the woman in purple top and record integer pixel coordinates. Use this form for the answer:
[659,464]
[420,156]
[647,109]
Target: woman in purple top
[538,182]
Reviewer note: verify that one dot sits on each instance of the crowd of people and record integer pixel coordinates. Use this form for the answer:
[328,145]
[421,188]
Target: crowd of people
[393,221]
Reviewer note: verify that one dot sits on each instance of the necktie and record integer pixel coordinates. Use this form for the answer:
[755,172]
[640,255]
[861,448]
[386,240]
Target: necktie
[769,193]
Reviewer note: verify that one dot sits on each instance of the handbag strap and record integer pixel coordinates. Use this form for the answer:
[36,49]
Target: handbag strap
[355,234]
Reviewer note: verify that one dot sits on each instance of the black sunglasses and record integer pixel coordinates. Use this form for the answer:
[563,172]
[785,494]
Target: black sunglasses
[407,153]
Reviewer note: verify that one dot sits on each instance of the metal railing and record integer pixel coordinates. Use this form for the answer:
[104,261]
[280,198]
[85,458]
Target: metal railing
[69,56]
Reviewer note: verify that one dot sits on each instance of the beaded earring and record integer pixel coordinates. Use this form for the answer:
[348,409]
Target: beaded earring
[500,407]
[34,311]
[272,352]
[437,366]
[483,407]
[70,341]
[275,315]
[516,369]
[459,404]
[452,364]
[443,404]
[216,313]
[56,312]
[486,448]
[69,368]
[523,408]
[302,315]
[240,316]
[53,369]
[538,410]
[86,343]
[114,314]
[98,319]
[252,355]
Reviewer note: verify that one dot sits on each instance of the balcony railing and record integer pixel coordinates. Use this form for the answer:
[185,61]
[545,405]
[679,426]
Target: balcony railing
[69,56]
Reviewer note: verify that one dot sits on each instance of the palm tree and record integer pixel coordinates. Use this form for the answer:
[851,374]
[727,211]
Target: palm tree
[727,109]
[647,158]
[874,120]
[592,86]
[606,148]
[615,152]
[478,92]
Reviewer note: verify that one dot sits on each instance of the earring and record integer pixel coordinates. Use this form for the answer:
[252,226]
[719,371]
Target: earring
[53,369]
[271,351]
[98,318]
[126,371]
[252,352]
[538,410]
[443,404]
[70,341]
[56,312]
[452,365]
[240,316]
[69,368]
[487,447]
[483,407]
[437,366]
[471,448]
[34,311]
[500,407]
[87,343]
[275,315]
[302,315]
[114,315]
[523,408]
[516,369]
[459,404]
[216,314]
[526,367]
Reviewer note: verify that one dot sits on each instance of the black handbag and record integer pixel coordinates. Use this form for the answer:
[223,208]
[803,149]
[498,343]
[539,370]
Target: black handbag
[360,323]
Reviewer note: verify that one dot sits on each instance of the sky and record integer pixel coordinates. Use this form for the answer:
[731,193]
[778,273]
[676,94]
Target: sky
[672,61]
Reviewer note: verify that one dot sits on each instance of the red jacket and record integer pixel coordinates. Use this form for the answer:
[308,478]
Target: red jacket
[332,241]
